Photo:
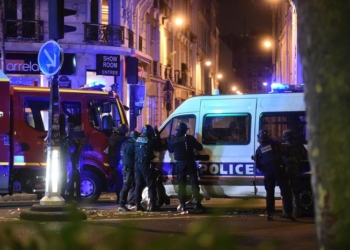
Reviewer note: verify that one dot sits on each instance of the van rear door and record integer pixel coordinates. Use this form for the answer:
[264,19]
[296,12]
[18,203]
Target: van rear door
[228,137]
[5,163]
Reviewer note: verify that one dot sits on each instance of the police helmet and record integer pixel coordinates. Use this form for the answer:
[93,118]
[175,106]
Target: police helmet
[147,129]
[181,127]
[123,129]
[134,134]
[287,135]
[263,135]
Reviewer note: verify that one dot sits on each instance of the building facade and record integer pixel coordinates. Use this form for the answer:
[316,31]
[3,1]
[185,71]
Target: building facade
[153,61]
[286,57]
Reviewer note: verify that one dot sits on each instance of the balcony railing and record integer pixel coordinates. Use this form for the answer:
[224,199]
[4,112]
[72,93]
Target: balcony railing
[23,30]
[111,35]
[131,38]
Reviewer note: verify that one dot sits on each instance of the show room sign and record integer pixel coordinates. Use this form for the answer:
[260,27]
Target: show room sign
[108,65]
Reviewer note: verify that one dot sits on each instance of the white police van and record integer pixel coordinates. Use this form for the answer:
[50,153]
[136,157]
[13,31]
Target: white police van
[227,126]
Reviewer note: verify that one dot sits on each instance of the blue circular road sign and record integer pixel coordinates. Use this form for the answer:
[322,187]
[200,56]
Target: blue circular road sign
[50,58]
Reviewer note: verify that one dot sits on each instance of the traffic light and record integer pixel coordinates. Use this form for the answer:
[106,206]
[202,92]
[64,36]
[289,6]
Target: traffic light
[57,12]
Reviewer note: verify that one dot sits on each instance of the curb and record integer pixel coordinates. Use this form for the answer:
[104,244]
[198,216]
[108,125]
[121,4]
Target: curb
[19,197]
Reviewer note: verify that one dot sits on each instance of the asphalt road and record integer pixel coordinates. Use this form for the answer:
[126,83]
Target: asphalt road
[229,224]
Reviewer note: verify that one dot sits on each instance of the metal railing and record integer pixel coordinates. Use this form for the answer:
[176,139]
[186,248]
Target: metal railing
[102,34]
[23,30]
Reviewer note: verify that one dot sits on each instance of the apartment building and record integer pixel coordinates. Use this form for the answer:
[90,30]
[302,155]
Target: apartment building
[140,47]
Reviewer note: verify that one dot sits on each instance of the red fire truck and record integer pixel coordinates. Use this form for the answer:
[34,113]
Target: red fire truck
[24,113]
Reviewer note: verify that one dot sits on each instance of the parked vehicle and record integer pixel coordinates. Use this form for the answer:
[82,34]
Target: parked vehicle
[24,113]
[227,126]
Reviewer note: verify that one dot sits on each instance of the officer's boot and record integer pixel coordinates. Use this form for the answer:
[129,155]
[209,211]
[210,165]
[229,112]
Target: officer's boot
[153,208]
[181,208]
[198,208]
[167,200]
[291,217]
[269,216]
[139,207]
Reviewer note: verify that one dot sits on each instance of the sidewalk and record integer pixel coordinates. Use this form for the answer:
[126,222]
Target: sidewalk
[18,197]
[110,197]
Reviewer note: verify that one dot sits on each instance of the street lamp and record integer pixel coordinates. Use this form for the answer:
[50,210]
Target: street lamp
[178,21]
[267,44]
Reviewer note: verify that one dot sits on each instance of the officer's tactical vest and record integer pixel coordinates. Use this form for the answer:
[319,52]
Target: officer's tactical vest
[143,150]
[183,149]
[127,152]
[269,153]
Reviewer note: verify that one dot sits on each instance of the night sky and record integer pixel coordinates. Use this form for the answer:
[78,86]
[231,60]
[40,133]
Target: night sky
[244,16]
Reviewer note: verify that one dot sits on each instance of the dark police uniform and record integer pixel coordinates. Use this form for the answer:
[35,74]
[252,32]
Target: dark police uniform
[144,174]
[183,146]
[128,160]
[269,160]
[114,145]
[73,183]
[293,153]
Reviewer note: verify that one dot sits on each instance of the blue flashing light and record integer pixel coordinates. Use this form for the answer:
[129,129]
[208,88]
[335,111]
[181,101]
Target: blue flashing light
[286,88]
[98,83]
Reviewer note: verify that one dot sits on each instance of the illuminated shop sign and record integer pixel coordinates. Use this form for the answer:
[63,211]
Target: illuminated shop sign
[108,65]
[17,66]
[27,64]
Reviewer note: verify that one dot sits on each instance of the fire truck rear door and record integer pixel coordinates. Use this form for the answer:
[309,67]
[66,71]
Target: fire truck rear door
[5,164]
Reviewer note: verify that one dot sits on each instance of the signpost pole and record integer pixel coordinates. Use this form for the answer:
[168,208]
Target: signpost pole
[50,60]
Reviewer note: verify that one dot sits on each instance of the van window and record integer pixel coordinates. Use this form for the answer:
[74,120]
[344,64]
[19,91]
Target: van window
[170,127]
[276,122]
[226,129]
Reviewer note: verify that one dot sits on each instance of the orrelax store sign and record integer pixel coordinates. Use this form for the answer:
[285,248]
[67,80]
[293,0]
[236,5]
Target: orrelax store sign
[22,64]
[27,64]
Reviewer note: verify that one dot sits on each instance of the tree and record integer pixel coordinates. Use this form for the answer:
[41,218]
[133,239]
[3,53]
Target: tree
[324,44]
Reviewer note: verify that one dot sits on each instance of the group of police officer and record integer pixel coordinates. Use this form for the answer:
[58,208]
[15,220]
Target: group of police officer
[136,152]
[281,163]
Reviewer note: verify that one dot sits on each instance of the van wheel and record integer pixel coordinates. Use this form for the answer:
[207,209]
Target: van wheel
[306,196]
[90,186]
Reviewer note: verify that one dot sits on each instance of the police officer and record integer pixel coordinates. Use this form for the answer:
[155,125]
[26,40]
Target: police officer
[268,158]
[183,146]
[128,160]
[144,174]
[73,183]
[162,196]
[294,152]
[116,140]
